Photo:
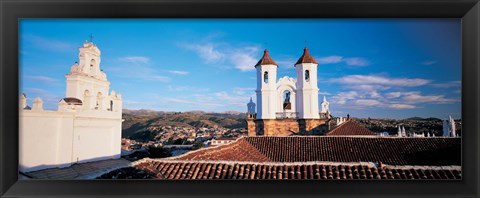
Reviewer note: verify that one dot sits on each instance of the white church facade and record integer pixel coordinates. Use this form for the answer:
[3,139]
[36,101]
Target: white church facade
[287,106]
[86,126]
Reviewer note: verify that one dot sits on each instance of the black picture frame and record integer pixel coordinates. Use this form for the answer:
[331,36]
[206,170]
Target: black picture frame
[11,11]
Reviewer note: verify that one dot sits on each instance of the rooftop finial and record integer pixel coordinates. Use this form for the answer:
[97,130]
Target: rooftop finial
[305,43]
[91,37]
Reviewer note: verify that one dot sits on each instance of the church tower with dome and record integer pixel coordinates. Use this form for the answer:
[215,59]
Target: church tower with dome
[287,106]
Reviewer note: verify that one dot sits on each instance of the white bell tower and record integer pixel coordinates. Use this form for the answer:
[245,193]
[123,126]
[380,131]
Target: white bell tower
[86,81]
[266,87]
[325,105]
[307,88]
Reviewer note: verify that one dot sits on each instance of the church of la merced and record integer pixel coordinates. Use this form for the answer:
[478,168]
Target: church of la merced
[287,106]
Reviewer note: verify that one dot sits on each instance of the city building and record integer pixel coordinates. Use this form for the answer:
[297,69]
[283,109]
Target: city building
[220,141]
[287,106]
[449,129]
[86,127]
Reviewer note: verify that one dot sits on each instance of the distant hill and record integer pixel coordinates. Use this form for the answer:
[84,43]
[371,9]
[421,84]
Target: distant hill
[138,120]
[424,119]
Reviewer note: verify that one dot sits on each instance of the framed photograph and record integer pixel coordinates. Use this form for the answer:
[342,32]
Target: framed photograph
[221,98]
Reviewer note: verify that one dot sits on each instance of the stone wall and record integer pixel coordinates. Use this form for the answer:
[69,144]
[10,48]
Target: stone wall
[286,127]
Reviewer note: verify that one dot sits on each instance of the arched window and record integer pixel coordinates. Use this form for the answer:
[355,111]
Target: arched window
[265,77]
[286,96]
[111,105]
[286,100]
[93,62]
[86,93]
[99,101]
[307,75]
[86,99]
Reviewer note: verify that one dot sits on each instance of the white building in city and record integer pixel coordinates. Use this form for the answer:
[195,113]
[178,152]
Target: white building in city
[288,97]
[449,129]
[86,127]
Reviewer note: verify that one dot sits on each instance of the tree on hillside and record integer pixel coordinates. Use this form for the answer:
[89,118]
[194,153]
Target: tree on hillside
[158,152]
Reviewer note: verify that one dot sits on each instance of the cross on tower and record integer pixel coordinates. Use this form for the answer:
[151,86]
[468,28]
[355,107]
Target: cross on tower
[91,37]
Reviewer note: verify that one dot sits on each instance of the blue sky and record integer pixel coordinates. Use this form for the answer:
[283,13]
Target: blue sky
[375,68]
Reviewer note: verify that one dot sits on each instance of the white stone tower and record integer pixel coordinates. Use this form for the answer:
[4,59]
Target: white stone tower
[251,106]
[87,82]
[266,87]
[325,105]
[307,88]
[449,129]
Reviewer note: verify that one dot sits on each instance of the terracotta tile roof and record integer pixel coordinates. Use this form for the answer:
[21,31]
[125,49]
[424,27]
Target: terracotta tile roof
[239,150]
[222,138]
[306,58]
[266,60]
[433,151]
[350,127]
[165,169]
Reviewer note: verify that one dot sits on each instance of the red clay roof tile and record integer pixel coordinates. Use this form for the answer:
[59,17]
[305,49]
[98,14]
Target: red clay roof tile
[350,127]
[266,60]
[306,58]
[390,150]
[311,170]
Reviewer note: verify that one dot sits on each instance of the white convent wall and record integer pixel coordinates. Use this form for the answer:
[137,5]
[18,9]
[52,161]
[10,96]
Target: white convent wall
[51,139]
[45,139]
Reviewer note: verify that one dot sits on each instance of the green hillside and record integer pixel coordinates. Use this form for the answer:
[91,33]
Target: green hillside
[139,120]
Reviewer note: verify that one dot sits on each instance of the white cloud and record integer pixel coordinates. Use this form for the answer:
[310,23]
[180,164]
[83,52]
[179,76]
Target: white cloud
[368,91]
[380,80]
[158,78]
[242,58]
[448,84]
[329,59]
[47,43]
[179,72]
[343,97]
[239,100]
[285,62]
[135,59]
[176,100]
[43,79]
[368,102]
[397,94]
[324,93]
[206,51]
[416,97]
[195,103]
[429,62]
[242,91]
[401,106]
[186,88]
[356,61]
[137,67]
[350,61]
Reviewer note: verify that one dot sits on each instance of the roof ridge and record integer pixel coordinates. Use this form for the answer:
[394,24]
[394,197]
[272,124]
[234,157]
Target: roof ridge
[203,149]
[355,129]
[362,163]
